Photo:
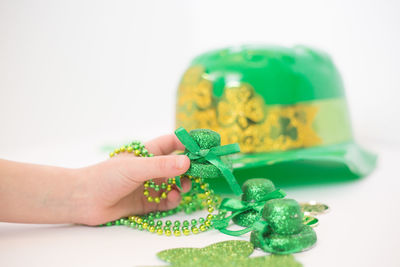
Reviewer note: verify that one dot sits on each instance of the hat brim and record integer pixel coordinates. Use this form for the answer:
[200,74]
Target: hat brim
[316,165]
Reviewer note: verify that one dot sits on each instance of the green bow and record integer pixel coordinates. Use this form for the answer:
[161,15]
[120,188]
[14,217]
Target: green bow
[212,155]
[237,207]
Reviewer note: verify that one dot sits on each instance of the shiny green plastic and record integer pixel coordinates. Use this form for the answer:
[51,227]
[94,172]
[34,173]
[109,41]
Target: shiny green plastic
[290,93]
[280,75]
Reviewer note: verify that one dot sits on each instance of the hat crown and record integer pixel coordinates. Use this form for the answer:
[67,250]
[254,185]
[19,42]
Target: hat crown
[284,216]
[281,75]
[265,98]
[256,189]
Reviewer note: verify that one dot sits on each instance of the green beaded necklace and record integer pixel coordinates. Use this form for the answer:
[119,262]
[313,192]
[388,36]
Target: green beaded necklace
[199,197]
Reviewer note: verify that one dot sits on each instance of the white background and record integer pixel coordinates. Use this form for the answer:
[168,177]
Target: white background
[76,75]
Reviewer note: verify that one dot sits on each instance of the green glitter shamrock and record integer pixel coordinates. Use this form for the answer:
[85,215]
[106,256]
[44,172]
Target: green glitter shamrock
[233,253]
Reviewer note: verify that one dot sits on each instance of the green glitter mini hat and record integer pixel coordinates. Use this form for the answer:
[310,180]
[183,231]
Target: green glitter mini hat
[285,233]
[285,107]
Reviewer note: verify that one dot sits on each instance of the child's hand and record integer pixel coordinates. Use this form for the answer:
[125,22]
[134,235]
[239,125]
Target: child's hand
[31,193]
[114,188]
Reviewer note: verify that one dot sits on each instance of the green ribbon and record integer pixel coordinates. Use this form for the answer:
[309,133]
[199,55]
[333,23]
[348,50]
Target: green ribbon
[212,155]
[260,226]
[237,207]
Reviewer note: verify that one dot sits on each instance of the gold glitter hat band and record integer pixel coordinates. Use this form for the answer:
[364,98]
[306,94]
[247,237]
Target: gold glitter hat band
[303,125]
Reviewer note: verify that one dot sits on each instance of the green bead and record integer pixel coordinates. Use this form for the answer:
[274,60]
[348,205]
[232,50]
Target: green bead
[193,221]
[151,222]
[201,220]
[188,210]
[163,214]
[168,223]
[156,188]
[109,223]
[177,223]
[185,223]
[163,185]
[132,225]
[158,215]
[175,228]
[140,227]
[167,228]
[170,212]
[159,223]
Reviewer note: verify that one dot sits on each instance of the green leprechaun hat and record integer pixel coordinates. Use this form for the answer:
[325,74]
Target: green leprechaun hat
[286,108]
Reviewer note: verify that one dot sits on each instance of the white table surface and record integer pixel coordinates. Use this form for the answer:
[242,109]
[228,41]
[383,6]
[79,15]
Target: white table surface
[74,74]
[361,228]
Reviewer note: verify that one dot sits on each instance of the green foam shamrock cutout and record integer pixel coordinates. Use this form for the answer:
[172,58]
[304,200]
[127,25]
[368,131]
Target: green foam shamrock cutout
[233,253]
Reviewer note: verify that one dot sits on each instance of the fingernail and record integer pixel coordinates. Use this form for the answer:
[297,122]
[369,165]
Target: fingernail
[181,162]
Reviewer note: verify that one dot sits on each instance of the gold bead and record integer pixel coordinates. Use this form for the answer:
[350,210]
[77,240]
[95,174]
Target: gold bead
[210,209]
[131,218]
[186,231]
[146,185]
[197,180]
[145,225]
[159,231]
[210,217]
[207,223]
[163,195]
[195,230]
[137,152]
[203,228]
[157,200]
[122,149]
[167,232]
[129,149]
[207,193]
[139,220]
[209,201]
[112,154]
[169,187]
[177,233]
[152,229]
[146,193]
[150,199]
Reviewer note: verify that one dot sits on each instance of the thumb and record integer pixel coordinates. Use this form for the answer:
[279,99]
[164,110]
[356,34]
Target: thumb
[142,169]
[123,174]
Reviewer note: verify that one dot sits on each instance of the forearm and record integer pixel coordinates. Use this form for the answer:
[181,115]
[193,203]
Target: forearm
[38,194]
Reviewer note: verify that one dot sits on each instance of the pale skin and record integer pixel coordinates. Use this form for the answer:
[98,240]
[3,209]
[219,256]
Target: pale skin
[91,195]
